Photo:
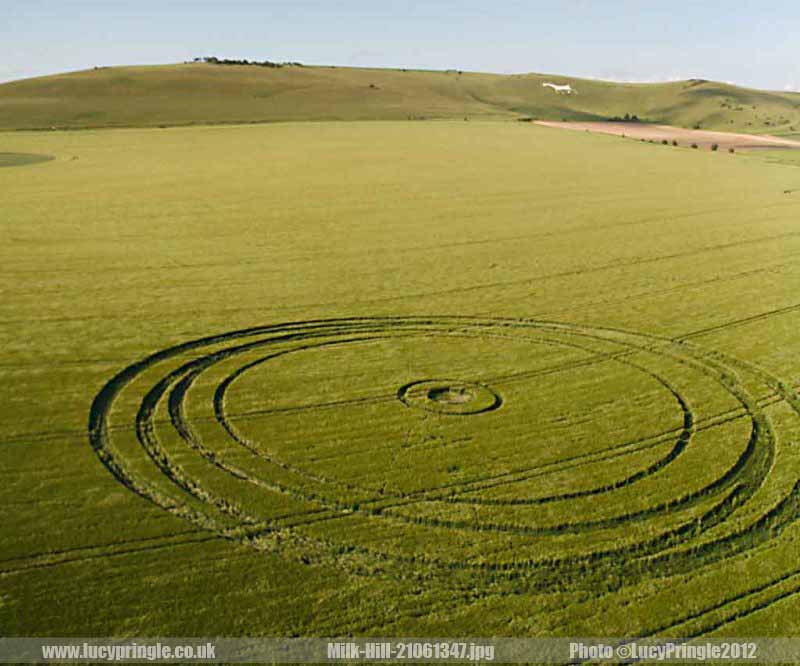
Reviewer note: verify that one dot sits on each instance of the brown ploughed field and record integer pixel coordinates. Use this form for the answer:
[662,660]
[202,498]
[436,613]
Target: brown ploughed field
[684,137]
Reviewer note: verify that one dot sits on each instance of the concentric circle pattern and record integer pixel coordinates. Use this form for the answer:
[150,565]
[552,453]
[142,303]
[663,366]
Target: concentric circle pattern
[447,396]
[591,455]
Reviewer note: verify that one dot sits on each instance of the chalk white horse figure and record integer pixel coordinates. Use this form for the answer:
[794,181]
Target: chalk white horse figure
[559,89]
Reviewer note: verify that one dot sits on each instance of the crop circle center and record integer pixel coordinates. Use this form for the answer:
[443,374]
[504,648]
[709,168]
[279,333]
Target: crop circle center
[448,396]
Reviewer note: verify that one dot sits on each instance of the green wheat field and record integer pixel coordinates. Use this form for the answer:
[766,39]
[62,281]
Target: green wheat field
[392,378]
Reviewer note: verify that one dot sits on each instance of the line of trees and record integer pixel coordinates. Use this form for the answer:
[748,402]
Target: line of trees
[628,118]
[213,60]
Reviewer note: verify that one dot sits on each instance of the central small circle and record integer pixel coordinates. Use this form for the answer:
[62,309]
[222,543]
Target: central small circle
[447,396]
[451,395]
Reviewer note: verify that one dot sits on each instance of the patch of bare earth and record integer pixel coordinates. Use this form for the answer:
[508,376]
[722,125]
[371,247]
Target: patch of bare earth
[684,137]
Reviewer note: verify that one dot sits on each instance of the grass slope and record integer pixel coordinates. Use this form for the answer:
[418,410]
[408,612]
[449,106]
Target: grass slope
[205,93]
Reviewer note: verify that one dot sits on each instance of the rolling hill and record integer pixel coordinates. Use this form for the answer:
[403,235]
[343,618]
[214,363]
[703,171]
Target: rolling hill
[204,93]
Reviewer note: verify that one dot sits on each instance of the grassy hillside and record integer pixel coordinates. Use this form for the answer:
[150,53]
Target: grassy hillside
[206,93]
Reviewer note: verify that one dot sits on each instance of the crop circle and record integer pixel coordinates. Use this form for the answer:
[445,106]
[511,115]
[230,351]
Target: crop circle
[604,463]
[446,396]
[22,159]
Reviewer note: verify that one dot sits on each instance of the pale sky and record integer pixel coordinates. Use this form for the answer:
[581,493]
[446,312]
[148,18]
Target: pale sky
[750,43]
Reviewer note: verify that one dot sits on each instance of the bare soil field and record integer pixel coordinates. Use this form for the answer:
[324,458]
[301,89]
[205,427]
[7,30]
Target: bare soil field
[684,137]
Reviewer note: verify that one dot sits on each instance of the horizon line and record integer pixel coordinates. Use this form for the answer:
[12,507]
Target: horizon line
[600,79]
